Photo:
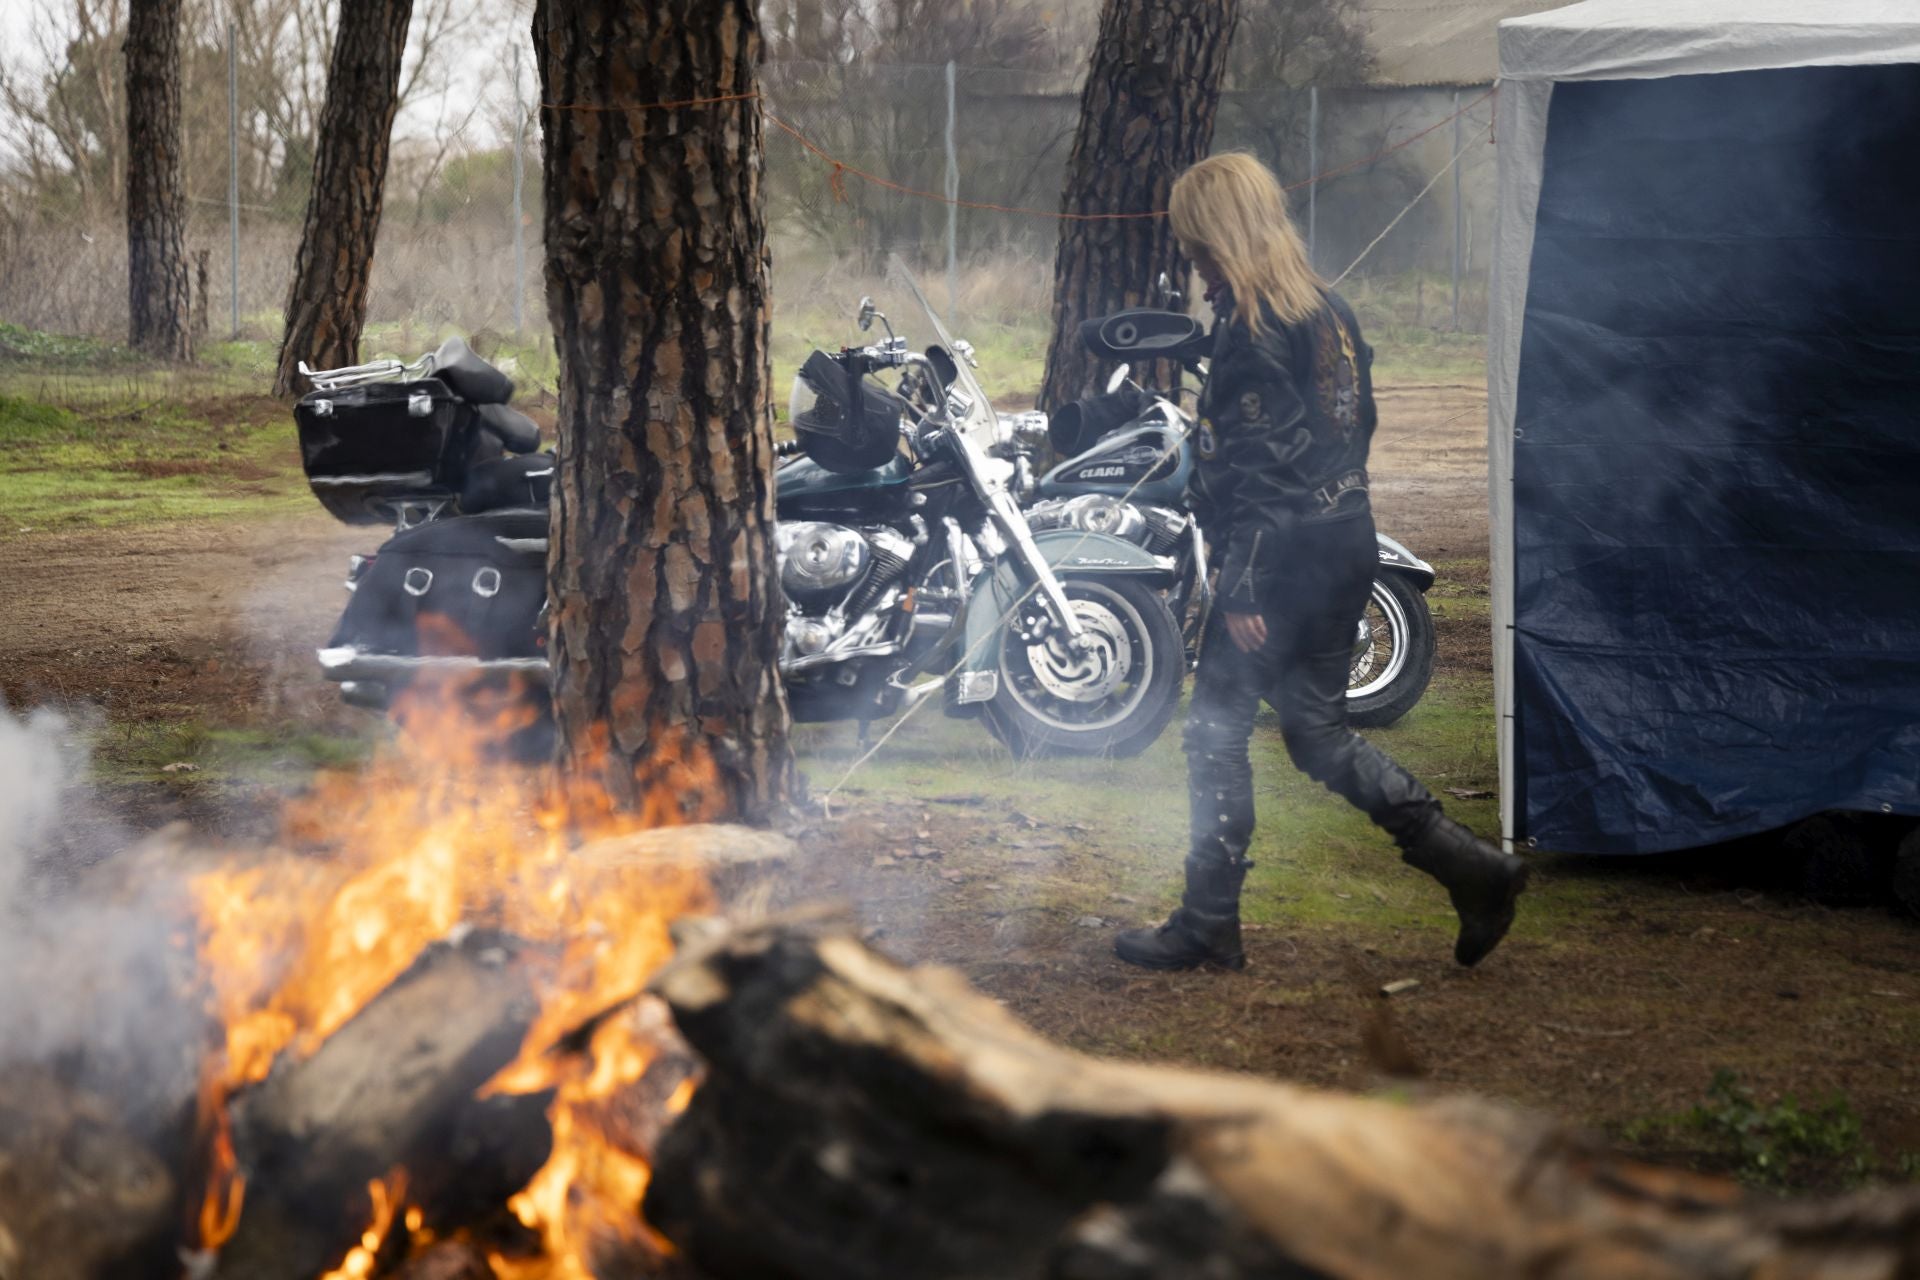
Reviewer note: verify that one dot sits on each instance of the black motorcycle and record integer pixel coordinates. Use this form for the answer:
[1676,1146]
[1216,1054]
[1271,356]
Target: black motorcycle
[906,563]
[1127,459]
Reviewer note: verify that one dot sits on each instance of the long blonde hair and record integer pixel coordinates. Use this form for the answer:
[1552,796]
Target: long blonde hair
[1232,207]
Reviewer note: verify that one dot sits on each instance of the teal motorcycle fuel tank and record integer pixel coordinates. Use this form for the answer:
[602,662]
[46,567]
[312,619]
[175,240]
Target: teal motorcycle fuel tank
[1152,457]
[805,490]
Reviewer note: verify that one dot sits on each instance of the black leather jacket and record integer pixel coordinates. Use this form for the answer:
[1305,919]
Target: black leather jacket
[1286,418]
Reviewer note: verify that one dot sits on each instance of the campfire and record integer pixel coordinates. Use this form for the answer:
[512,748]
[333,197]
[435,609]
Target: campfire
[464,1024]
[447,950]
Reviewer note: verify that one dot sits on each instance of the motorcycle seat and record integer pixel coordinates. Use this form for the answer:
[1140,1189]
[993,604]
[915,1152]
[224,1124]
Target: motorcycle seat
[503,483]
[472,378]
[514,430]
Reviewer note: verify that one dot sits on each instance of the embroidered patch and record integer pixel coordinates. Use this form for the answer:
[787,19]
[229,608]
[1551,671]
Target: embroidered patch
[1205,441]
[1250,406]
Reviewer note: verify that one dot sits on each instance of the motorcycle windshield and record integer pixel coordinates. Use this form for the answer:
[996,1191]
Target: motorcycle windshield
[979,421]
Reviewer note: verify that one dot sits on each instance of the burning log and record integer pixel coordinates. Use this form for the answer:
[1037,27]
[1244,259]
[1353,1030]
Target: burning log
[79,1194]
[450,1260]
[859,1119]
[393,1089]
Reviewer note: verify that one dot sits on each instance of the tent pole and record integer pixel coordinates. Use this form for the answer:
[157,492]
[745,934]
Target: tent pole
[1313,164]
[1458,246]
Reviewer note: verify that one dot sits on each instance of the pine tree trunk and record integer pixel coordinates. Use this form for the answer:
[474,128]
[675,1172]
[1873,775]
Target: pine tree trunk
[1146,113]
[666,606]
[159,291]
[328,305]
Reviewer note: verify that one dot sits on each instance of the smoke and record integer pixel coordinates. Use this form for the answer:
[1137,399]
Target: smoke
[92,982]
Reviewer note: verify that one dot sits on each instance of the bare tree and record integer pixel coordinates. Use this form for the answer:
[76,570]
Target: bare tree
[66,106]
[328,303]
[666,613]
[1146,113]
[1279,51]
[62,96]
[159,288]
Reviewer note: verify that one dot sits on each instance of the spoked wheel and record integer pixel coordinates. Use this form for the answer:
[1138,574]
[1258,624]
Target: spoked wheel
[1113,696]
[1392,654]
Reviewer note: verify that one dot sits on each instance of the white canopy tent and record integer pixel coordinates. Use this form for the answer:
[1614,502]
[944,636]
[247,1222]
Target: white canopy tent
[1613,41]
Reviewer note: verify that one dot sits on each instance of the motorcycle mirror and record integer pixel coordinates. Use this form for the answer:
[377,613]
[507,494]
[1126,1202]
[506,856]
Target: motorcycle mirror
[867,312]
[1119,378]
[1169,296]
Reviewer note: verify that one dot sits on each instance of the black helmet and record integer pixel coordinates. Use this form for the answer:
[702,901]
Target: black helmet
[862,439]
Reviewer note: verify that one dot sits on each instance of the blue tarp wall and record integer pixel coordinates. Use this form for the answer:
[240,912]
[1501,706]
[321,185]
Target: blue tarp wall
[1716,484]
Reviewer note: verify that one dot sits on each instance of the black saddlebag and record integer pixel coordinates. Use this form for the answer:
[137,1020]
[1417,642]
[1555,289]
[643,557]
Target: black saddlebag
[524,481]
[367,448]
[469,585]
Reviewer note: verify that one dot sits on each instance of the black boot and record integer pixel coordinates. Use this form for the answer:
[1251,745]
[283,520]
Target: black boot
[1204,929]
[1482,881]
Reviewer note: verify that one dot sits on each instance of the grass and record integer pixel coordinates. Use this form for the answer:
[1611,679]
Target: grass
[1776,1144]
[20,345]
[1322,863]
[142,749]
[126,451]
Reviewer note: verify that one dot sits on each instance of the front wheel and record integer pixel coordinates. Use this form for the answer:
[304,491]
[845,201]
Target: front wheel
[1392,654]
[1113,697]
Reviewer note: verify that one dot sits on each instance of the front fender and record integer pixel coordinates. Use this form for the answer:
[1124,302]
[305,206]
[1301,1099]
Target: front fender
[1070,553]
[1396,558]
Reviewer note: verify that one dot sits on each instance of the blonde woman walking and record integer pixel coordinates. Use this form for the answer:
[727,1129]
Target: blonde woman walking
[1286,418]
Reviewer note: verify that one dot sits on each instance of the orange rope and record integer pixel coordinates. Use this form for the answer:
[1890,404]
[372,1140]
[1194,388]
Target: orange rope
[837,176]
[650,106]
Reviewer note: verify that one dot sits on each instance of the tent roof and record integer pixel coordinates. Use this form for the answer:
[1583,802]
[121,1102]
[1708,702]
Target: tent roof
[1637,39]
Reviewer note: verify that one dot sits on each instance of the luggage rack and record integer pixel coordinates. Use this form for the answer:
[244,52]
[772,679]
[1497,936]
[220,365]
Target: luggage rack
[355,375]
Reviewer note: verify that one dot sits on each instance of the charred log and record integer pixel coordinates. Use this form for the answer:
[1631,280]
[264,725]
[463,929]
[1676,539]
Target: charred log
[79,1193]
[451,1260]
[392,1089]
[860,1119]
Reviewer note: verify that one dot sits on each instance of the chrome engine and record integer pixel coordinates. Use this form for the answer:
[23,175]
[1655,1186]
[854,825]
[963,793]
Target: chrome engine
[833,577]
[1158,529]
[820,563]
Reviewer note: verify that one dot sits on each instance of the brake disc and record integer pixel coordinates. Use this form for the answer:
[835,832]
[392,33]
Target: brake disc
[1088,673]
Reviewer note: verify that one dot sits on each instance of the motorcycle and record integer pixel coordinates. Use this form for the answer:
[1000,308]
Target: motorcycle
[907,566]
[1127,458]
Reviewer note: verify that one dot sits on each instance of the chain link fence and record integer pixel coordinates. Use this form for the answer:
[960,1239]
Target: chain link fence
[985,136]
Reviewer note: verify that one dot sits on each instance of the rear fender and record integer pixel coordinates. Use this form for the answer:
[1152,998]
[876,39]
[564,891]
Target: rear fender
[1071,554]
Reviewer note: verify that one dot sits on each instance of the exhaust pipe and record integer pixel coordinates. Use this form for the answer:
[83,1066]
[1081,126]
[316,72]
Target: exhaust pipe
[349,664]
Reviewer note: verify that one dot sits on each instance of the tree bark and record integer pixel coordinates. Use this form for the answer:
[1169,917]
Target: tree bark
[666,607]
[159,290]
[327,307]
[1146,113]
[862,1120]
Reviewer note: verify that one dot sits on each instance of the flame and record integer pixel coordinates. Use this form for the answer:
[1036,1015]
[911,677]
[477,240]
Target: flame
[434,835]
[387,1195]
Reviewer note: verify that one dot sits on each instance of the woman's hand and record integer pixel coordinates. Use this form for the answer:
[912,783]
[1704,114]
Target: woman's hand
[1249,631]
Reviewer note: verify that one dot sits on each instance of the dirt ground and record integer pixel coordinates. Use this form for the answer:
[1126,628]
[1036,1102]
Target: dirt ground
[1626,986]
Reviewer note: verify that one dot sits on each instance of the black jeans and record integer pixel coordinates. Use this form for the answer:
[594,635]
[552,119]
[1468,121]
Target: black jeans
[1312,597]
